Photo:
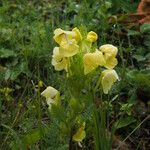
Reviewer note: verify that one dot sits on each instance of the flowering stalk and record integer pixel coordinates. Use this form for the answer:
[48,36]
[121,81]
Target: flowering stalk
[83,63]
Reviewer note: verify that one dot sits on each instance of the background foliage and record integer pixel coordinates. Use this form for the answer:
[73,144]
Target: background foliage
[26,44]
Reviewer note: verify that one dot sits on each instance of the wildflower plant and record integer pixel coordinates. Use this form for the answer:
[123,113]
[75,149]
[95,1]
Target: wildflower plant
[89,73]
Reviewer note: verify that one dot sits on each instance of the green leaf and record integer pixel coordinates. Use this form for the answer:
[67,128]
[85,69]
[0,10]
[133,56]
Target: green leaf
[58,112]
[34,136]
[126,108]
[141,78]
[5,53]
[133,32]
[139,57]
[145,28]
[30,138]
[16,71]
[7,74]
[123,122]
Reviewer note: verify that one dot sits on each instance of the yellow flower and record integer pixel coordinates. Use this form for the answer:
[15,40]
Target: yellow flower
[69,48]
[110,52]
[62,35]
[51,95]
[80,134]
[40,84]
[78,36]
[68,41]
[49,92]
[92,61]
[58,60]
[92,36]
[111,63]
[109,77]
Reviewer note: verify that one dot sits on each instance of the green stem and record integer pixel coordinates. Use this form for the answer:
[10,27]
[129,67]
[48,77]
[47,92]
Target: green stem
[97,85]
[96,134]
[96,121]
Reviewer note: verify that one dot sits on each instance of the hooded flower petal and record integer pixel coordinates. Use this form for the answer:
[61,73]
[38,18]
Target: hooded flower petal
[62,35]
[52,96]
[92,61]
[109,50]
[92,36]
[49,92]
[109,77]
[69,48]
[78,35]
[110,53]
[58,60]
[80,134]
[111,63]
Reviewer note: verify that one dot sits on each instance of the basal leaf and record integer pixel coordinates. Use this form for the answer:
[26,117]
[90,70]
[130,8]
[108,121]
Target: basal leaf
[123,122]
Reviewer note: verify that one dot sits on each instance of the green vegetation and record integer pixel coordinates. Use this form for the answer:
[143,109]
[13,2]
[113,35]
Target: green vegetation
[26,48]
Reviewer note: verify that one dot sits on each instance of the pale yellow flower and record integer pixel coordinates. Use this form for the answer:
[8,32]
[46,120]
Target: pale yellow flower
[110,52]
[69,48]
[80,134]
[92,36]
[68,41]
[111,63]
[51,95]
[63,36]
[92,61]
[78,36]
[58,60]
[109,77]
